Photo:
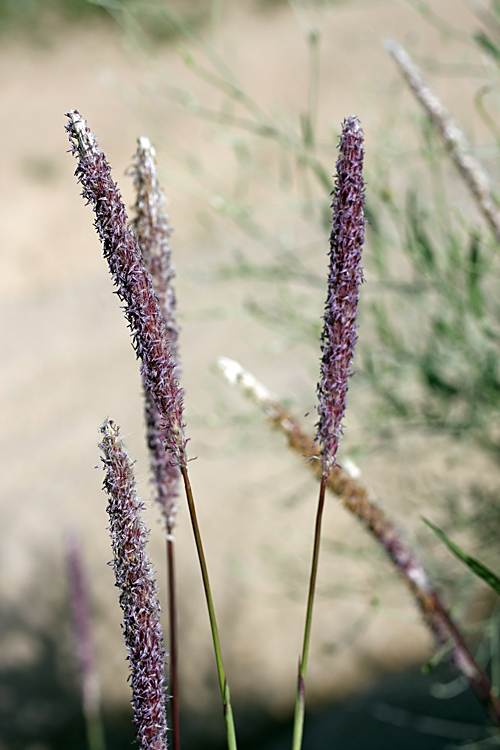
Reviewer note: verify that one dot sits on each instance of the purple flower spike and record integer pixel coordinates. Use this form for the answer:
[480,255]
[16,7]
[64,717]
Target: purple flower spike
[133,282]
[138,599]
[345,275]
[152,230]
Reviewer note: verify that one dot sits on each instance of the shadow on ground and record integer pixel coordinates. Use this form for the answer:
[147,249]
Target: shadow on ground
[40,709]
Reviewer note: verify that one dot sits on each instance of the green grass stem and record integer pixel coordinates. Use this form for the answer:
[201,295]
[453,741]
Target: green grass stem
[224,688]
[300,698]
[95,732]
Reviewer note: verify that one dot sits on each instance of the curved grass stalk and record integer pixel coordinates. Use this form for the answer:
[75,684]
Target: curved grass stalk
[358,501]
[471,170]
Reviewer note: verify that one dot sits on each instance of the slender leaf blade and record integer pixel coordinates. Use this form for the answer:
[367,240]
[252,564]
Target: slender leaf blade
[477,567]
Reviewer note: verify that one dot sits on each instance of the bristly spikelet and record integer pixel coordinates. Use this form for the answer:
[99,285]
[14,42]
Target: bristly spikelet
[138,598]
[345,275]
[152,231]
[133,282]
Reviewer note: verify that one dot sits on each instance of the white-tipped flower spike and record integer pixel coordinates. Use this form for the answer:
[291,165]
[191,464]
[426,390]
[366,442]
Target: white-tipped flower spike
[345,275]
[134,576]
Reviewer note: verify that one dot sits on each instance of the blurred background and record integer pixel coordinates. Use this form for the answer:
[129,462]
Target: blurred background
[244,103]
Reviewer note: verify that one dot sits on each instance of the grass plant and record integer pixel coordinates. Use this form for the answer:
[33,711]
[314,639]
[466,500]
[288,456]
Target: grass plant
[141,270]
[455,362]
[156,350]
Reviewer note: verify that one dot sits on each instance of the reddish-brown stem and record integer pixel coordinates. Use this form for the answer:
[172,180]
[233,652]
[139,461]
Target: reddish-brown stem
[174,672]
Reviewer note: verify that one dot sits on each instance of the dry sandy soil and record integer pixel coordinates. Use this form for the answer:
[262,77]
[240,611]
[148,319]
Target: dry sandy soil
[66,362]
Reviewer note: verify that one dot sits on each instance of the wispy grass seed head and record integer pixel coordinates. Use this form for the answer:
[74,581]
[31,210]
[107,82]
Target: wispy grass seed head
[345,275]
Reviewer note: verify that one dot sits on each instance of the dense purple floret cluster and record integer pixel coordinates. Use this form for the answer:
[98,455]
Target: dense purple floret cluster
[138,598]
[345,275]
[153,231]
[133,282]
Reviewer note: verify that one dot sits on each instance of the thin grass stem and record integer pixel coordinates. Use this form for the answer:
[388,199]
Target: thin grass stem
[300,704]
[94,731]
[174,650]
[224,688]
[358,501]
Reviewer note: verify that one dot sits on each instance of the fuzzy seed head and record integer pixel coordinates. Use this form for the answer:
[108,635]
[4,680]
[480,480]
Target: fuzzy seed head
[153,231]
[345,275]
[133,282]
[134,577]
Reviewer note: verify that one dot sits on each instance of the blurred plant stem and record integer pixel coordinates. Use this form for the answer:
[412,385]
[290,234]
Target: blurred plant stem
[84,646]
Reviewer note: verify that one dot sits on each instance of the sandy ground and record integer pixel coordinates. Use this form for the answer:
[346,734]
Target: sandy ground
[66,363]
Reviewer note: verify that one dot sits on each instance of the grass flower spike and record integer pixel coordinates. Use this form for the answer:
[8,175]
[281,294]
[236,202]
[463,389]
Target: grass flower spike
[133,282]
[135,288]
[152,230]
[138,597]
[345,275]
[339,338]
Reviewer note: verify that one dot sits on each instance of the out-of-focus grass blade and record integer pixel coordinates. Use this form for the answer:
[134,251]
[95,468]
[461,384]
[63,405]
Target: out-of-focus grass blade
[418,240]
[488,45]
[477,568]
[474,276]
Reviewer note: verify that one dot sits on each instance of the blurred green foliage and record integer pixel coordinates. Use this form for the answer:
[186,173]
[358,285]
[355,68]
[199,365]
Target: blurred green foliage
[29,15]
[436,360]
[42,19]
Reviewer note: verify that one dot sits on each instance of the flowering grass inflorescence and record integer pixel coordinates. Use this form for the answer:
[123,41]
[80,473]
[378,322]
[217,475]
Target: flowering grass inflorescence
[142,271]
[152,229]
[138,598]
[133,282]
[339,338]
[345,275]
